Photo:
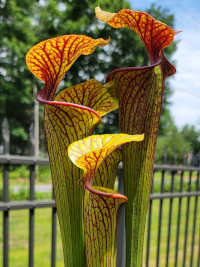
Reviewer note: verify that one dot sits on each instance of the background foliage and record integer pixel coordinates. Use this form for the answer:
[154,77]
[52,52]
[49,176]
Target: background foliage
[23,23]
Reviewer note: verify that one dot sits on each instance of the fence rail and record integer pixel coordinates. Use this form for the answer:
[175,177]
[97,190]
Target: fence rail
[179,186]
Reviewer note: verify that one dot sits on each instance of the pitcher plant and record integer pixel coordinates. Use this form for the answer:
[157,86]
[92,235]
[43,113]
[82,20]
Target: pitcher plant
[84,166]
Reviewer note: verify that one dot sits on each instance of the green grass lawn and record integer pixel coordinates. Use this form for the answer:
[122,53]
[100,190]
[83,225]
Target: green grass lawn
[19,239]
[19,223]
[19,236]
[19,175]
[164,232]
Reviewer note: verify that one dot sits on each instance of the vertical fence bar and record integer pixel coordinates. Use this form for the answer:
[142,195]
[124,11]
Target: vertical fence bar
[53,239]
[160,220]
[121,234]
[31,217]
[149,227]
[198,260]
[187,220]
[6,216]
[6,221]
[194,222]
[170,219]
[53,235]
[178,220]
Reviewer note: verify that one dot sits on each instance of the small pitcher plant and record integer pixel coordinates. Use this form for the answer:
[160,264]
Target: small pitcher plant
[84,166]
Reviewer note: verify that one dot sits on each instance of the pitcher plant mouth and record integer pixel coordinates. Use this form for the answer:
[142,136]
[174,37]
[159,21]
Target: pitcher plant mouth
[40,98]
[108,78]
[84,166]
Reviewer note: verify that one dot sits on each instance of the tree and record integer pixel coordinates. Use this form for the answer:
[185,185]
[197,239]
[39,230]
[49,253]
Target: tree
[172,147]
[192,135]
[15,80]
[25,23]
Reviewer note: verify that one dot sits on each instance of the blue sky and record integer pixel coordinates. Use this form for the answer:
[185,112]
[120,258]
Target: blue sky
[185,101]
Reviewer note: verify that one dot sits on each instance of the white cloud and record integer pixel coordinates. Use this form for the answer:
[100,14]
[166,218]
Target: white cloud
[185,109]
[186,83]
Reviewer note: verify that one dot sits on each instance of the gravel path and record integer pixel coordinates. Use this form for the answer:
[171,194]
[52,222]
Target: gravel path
[38,188]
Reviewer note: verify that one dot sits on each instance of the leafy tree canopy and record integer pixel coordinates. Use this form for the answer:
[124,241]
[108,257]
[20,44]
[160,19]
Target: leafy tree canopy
[192,135]
[16,34]
[24,23]
[172,147]
[176,145]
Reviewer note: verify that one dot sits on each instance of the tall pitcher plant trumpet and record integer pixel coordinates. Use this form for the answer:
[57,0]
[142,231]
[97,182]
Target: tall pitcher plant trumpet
[84,166]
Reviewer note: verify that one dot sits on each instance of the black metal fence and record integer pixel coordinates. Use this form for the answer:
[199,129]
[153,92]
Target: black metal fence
[173,223]
[175,193]
[6,206]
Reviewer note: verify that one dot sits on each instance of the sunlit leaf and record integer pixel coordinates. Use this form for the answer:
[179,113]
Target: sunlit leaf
[89,152]
[154,34]
[100,204]
[49,60]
